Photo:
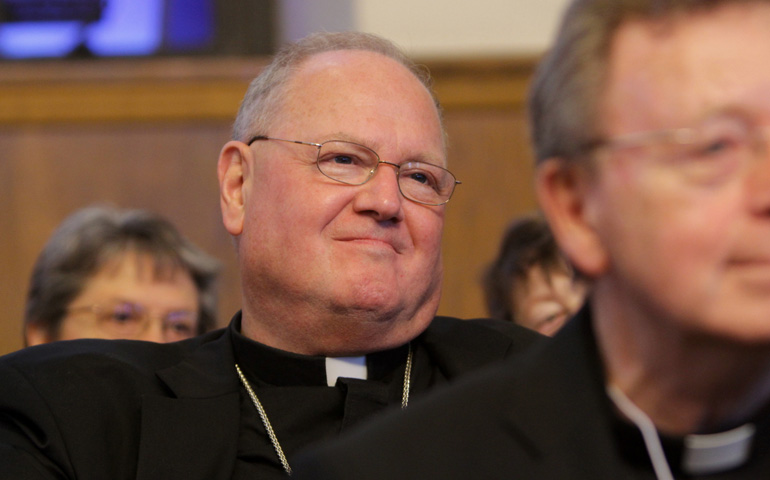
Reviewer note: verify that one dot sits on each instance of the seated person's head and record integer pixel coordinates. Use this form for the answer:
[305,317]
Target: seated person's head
[530,282]
[334,187]
[108,273]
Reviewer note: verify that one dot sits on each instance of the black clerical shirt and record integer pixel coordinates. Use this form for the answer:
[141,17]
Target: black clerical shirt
[303,409]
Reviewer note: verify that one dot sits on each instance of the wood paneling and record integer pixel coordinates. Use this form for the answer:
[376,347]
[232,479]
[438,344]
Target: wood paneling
[146,134]
[146,90]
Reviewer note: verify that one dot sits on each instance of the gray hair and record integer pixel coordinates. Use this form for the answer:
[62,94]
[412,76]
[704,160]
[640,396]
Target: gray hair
[263,97]
[566,89]
[93,236]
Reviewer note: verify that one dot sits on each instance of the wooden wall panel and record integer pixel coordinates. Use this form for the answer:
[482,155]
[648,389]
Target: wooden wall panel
[146,134]
[53,170]
[490,155]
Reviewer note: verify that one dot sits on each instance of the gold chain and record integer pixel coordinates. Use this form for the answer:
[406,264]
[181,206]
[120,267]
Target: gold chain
[269,427]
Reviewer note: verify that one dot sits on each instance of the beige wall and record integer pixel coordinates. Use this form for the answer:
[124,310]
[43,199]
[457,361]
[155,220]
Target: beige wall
[434,28]
[147,134]
[451,29]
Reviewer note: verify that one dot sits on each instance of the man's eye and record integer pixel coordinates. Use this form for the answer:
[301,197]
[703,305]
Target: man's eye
[719,138]
[421,177]
[717,146]
[343,160]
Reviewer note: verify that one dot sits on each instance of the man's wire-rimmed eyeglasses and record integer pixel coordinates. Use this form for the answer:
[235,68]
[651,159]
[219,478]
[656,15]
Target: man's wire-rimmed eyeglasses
[712,152]
[354,164]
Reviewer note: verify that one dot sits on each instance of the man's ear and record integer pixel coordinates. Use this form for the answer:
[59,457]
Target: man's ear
[36,334]
[563,190]
[233,171]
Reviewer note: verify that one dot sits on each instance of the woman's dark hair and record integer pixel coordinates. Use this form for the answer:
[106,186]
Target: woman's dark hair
[527,242]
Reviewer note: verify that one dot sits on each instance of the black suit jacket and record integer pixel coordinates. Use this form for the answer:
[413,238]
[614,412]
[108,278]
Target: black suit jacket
[543,416]
[94,409]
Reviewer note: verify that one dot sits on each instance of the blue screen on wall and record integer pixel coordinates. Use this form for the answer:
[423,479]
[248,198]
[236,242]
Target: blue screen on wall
[105,28]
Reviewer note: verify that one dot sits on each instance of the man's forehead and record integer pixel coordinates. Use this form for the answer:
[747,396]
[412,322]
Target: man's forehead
[341,95]
[680,69]
[346,59]
[633,69]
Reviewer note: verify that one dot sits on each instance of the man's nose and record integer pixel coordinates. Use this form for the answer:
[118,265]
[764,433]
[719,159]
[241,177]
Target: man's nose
[381,194]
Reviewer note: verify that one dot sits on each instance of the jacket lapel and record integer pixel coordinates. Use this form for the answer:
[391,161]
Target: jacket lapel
[192,433]
[560,408]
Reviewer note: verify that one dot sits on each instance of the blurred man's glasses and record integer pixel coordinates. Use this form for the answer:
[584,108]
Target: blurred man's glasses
[712,152]
[355,164]
[126,320]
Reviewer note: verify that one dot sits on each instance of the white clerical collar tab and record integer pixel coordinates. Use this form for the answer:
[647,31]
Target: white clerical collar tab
[346,367]
[705,454]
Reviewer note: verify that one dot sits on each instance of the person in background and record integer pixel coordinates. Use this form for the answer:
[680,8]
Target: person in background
[651,123]
[334,187]
[120,274]
[530,282]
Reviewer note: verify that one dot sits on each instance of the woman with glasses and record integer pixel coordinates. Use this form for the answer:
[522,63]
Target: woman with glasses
[119,274]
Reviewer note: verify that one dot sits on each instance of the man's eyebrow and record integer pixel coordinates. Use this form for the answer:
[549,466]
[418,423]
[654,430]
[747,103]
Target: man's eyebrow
[439,160]
[345,137]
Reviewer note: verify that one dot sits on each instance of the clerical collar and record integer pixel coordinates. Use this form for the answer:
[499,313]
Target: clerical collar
[276,367]
[692,454]
[346,367]
[705,454]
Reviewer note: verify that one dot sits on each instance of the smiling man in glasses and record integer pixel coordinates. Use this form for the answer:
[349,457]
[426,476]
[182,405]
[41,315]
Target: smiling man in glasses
[334,188]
